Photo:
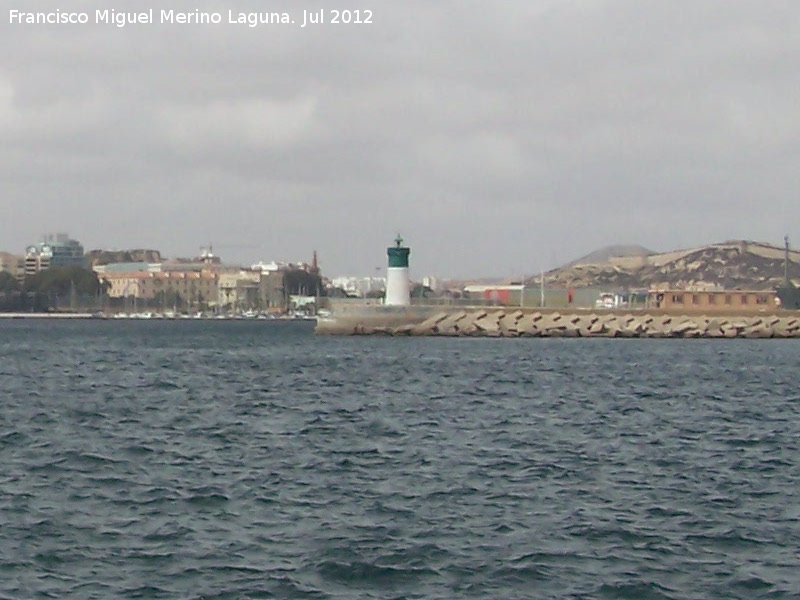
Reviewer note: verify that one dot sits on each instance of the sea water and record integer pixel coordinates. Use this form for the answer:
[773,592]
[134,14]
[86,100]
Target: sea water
[252,459]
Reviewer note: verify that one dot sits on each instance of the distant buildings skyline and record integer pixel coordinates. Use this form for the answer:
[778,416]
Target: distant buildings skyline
[60,249]
[146,279]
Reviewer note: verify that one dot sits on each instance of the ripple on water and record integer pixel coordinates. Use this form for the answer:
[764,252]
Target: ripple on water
[254,460]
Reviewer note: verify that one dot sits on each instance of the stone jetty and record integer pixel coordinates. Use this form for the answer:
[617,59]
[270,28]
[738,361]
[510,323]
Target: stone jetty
[509,322]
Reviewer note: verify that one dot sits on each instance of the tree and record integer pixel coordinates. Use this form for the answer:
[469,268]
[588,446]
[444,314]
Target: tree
[10,297]
[337,292]
[421,291]
[64,280]
[8,283]
[302,283]
[167,299]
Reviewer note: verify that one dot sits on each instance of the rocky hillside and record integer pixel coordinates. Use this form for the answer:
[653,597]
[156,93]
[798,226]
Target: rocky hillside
[604,255]
[728,265]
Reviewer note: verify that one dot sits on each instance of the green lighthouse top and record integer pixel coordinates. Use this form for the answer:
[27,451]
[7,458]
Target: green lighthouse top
[398,255]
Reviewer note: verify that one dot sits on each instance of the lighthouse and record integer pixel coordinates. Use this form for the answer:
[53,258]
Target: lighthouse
[397,286]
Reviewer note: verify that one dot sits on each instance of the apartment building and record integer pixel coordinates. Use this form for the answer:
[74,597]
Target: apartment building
[55,250]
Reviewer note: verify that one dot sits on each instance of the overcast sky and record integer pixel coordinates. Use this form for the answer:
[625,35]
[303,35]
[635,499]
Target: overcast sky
[498,141]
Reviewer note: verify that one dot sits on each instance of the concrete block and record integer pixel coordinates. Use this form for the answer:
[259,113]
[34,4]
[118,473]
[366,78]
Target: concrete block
[488,324]
[548,325]
[404,329]
[449,326]
[611,326]
[527,324]
[781,329]
[682,328]
[428,325]
[598,326]
[469,328]
[637,325]
[757,332]
[509,324]
[378,331]
[714,328]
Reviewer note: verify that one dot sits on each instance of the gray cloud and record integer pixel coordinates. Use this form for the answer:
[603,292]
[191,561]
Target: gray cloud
[498,140]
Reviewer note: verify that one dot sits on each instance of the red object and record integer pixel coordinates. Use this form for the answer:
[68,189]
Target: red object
[499,296]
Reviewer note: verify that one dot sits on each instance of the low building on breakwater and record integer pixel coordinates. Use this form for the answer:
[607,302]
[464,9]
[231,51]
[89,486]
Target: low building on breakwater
[716,300]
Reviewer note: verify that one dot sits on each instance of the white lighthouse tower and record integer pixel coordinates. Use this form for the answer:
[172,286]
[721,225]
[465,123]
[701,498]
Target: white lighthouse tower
[398,292]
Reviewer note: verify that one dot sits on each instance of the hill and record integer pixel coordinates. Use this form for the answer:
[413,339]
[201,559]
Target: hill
[609,253]
[736,264]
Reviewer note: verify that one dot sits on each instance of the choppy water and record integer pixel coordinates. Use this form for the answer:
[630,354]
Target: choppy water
[254,460]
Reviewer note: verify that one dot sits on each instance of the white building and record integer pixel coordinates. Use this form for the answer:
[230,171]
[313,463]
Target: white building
[359,286]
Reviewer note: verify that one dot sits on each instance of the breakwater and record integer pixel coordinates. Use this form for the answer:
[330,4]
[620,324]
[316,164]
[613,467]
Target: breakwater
[509,322]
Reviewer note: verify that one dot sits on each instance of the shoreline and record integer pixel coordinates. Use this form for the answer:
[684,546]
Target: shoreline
[139,317]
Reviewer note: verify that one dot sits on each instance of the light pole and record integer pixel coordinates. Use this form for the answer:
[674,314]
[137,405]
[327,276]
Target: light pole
[541,290]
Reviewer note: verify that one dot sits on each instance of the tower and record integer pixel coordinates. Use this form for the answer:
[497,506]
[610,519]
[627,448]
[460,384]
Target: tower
[398,292]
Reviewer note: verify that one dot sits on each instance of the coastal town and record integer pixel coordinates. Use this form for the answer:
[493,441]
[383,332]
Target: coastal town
[57,275]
